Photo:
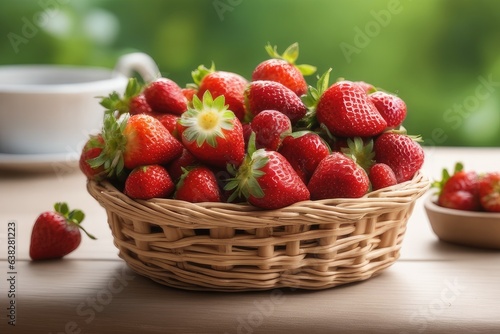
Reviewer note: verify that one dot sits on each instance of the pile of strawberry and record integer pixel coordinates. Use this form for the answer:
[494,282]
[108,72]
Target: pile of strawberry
[468,190]
[269,141]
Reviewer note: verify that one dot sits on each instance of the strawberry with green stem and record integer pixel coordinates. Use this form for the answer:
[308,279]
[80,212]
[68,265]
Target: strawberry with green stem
[198,184]
[282,68]
[132,141]
[56,233]
[266,179]
[117,104]
[212,132]
[231,85]
[146,182]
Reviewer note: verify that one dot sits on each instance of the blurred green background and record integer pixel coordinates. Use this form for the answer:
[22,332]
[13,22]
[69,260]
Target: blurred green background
[441,56]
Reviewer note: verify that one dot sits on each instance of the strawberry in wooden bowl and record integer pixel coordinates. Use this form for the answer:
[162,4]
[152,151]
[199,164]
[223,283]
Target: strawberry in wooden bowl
[466,208]
[307,190]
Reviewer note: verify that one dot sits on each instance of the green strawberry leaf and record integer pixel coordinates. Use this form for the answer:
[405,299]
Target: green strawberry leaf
[73,217]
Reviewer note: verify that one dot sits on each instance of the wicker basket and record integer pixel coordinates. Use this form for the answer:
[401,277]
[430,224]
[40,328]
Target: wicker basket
[236,247]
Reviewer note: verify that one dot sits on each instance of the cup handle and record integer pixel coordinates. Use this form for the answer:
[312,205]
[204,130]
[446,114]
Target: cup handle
[140,63]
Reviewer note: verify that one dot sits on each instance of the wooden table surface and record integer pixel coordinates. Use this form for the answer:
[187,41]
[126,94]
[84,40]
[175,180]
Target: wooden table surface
[434,287]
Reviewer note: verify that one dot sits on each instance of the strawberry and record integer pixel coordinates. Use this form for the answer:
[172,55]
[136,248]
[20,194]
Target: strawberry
[133,141]
[92,149]
[211,132]
[169,121]
[345,109]
[270,126]
[381,176]
[56,233]
[165,96]
[304,150]
[391,107]
[338,176]
[184,161]
[265,95]
[139,105]
[198,184]
[282,69]
[189,92]
[367,87]
[489,191]
[267,180]
[459,190]
[401,152]
[146,182]
[229,84]
[130,102]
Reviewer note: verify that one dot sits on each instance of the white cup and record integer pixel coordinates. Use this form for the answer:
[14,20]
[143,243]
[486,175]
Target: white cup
[46,109]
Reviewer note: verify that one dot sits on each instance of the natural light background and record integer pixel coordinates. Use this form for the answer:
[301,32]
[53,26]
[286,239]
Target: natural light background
[441,56]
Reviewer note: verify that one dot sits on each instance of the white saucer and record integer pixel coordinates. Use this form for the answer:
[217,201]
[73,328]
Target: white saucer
[55,162]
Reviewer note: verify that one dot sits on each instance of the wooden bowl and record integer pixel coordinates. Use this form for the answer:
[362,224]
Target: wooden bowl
[469,228]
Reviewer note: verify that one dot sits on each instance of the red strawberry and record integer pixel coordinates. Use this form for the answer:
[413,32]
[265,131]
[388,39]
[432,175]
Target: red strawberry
[345,109]
[282,69]
[270,127]
[146,182]
[135,141]
[92,149]
[189,92]
[391,107]
[267,180]
[229,84]
[367,87]
[402,153]
[56,233]
[198,184]
[212,133]
[381,176]
[459,190]
[170,122]
[489,191]
[304,151]
[175,168]
[131,100]
[338,176]
[164,95]
[265,95]
[139,105]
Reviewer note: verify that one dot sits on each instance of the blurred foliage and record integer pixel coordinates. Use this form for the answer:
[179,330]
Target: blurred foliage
[441,56]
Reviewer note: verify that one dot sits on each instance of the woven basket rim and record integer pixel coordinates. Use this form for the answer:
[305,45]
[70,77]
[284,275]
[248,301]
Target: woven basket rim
[246,215]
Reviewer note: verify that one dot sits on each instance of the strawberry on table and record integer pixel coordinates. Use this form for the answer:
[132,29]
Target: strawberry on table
[267,180]
[338,176]
[165,96]
[229,84]
[401,152]
[304,150]
[56,233]
[270,127]
[271,95]
[211,132]
[198,184]
[489,191]
[282,68]
[146,182]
